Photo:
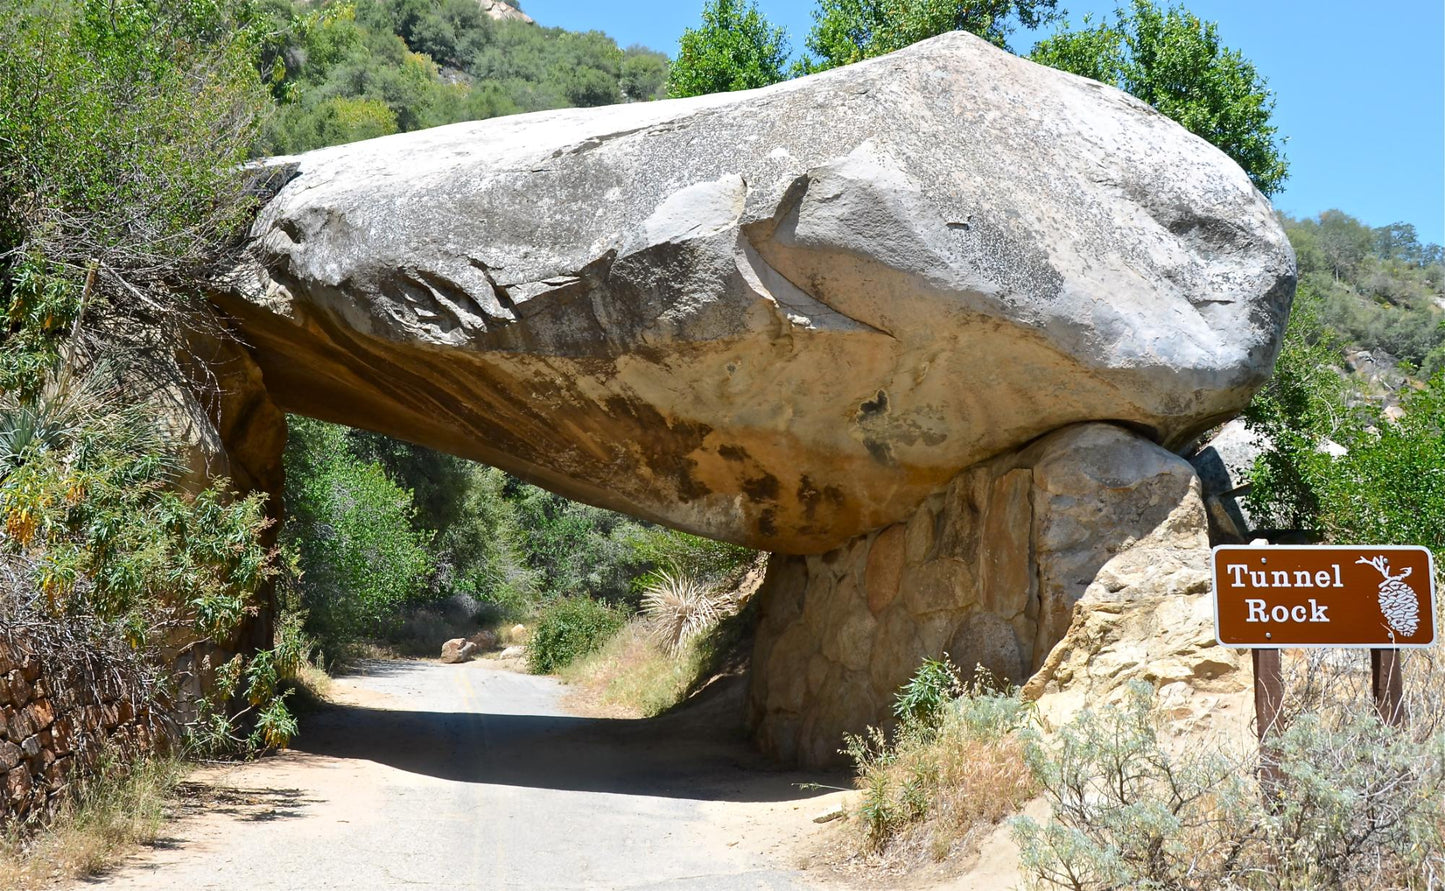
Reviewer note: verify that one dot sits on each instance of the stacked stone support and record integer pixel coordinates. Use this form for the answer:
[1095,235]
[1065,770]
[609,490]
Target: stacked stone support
[54,725]
[988,571]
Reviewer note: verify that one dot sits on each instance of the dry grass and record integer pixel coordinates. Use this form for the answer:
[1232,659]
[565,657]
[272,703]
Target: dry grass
[687,633]
[308,689]
[930,795]
[632,675]
[1331,681]
[106,818]
[314,679]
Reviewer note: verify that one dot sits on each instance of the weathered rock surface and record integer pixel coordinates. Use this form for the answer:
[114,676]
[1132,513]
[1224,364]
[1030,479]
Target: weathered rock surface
[1224,464]
[457,650]
[1146,614]
[500,11]
[785,317]
[1162,635]
[1076,564]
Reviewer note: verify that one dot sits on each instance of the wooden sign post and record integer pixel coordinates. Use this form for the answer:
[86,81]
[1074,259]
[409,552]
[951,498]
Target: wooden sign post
[1269,597]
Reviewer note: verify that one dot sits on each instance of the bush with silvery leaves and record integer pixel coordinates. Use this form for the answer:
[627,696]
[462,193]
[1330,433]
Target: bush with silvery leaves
[1359,805]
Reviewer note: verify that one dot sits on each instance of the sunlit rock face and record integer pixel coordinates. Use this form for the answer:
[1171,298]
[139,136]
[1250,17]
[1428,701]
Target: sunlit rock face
[1076,564]
[783,317]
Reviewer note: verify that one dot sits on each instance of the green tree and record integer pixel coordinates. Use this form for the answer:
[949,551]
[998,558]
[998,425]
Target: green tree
[350,529]
[577,549]
[122,130]
[1389,487]
[847,31]
[472,529]
[735,48]
[644,74]
[1176,63]
[1388,484]
[1296,414]
[1343,241]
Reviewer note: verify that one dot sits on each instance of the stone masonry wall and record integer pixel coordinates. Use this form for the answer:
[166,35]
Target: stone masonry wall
[55,721]
[988,571]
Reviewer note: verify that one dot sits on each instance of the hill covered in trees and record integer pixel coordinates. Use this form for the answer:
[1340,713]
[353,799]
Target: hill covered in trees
[1379,288]
[356,69]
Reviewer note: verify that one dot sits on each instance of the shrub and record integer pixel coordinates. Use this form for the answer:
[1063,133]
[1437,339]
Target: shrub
[680,609]
[121,186]
[568,628]
[1358,806]
[97,544]
[123,130]
[952,766]
[1129,813]
[933,687]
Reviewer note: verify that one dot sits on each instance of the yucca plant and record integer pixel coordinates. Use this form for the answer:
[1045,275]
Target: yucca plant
[681,608]
[75,414]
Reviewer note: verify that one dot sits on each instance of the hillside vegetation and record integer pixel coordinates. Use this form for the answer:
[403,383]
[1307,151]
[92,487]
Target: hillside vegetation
[1378,289]
[1361,289]
[356,69]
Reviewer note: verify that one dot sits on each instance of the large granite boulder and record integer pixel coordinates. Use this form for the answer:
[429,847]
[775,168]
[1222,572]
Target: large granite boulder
[782,317]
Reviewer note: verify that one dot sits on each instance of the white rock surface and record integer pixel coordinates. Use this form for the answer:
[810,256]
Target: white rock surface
[504,12]
[781,317]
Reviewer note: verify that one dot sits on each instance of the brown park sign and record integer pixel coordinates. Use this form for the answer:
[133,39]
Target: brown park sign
[1324,596]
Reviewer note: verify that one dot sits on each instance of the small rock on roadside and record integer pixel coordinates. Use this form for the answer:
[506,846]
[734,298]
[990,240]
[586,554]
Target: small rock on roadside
[836,812]
[457,650]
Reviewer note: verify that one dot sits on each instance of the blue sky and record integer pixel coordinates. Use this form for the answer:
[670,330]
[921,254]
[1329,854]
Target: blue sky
[1360,87]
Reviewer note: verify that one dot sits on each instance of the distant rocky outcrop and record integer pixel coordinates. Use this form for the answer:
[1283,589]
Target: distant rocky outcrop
[500,11]
[782,317]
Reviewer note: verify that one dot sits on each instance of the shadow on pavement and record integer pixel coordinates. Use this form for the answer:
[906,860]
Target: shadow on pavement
[262,805]
[680,755]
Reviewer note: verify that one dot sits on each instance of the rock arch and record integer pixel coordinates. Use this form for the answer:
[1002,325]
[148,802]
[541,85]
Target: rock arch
[870,319]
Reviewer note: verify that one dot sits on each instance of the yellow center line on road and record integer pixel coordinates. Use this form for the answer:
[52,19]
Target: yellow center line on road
[495,865]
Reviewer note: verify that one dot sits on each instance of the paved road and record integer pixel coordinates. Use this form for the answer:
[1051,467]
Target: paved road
[471,776]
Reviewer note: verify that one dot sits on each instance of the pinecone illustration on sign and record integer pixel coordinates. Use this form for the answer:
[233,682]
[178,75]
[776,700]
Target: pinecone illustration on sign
[1398,601]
